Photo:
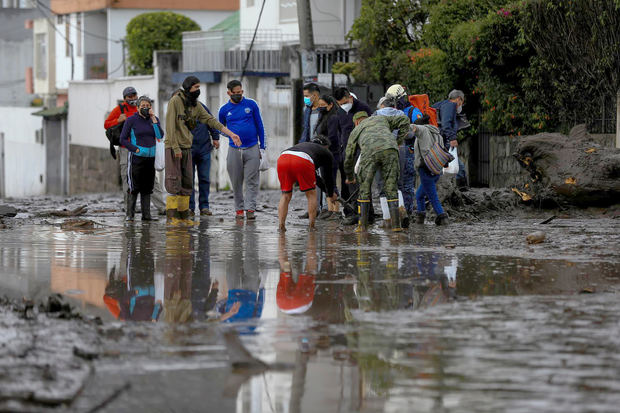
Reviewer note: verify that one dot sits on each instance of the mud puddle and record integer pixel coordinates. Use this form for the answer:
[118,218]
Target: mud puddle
[468,318]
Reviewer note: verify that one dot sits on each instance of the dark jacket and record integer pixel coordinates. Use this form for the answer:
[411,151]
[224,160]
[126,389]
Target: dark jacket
[345,121]
[138,133]
[448,125]
[329,126]
[203,134]
[306,133]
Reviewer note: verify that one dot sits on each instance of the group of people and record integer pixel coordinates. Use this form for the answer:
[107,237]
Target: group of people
[392,145]
[341,135]
[190,135]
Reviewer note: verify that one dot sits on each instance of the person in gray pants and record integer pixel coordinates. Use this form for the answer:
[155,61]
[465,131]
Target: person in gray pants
[242,116]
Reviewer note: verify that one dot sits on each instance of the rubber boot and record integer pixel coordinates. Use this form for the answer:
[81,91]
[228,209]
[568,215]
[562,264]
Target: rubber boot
[442,219]
[172,213]
[183,208]
[395,215]
[420,217]
[145,204]
[364,209]
[404,217]
[130,208]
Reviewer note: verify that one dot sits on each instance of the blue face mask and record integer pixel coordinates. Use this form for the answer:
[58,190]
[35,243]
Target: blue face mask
[307,101]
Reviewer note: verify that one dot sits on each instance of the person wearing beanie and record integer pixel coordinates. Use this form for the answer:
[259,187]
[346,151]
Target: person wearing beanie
[378,152]
[182,116]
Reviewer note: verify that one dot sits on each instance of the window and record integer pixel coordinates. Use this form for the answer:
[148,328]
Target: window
[288,11]
[41,56]
[78,33]
[249,3]
[59,19]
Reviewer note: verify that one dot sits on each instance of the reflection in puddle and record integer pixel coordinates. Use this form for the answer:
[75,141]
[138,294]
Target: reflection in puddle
[358,322]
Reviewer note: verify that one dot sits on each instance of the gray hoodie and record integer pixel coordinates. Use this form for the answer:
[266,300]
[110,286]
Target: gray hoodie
[426,136]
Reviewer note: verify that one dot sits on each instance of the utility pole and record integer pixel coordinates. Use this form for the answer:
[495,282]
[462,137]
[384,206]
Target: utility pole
[306,40]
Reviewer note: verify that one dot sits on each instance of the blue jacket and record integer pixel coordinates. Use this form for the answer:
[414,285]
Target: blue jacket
[306,133]
[201,144]
[244,119]
[412,113]
[448,125]
[139,133]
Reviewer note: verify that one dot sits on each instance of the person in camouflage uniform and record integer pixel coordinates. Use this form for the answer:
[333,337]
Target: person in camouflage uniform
[378,151]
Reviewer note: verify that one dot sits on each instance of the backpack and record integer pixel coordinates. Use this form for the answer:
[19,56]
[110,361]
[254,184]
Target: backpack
[114,133]
[423,104]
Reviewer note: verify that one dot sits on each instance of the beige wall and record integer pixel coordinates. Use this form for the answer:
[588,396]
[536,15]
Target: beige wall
[72,6]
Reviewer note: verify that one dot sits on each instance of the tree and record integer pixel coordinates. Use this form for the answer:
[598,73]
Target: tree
[579,42]
[384,32]
[154,31]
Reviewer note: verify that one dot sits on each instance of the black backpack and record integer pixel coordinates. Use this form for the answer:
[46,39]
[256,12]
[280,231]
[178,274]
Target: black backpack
[114,133]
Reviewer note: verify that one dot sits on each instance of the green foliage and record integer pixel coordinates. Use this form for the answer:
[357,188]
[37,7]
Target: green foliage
[154,31]
[426,73]
[384,30]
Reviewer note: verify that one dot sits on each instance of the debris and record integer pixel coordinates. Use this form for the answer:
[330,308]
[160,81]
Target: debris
[64,213]
[78,224]
[450,246]
[591,150]
[535,237]
[587,290]
[7,211]
[570,181]
[524,196]
[548,220]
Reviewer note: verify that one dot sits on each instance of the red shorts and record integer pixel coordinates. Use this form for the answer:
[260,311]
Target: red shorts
[296,167]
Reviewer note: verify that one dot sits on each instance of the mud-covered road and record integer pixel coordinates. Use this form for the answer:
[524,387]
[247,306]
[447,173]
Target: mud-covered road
[466,318]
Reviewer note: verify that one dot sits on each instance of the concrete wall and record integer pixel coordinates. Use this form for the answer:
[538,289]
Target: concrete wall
[63,61]
[45,85]
[92,170]
[331,19]
[117,28]
[90,102]
[24,153]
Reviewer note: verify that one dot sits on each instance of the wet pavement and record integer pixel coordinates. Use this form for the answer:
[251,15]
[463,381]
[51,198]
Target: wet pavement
[467,318]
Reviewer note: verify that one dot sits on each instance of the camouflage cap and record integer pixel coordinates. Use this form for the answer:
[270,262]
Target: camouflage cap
[360,115]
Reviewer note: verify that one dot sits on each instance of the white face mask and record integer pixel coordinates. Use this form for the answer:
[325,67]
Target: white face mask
[459,109]
[347,107]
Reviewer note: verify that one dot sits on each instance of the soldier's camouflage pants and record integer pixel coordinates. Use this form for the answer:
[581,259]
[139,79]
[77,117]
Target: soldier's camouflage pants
[385,161]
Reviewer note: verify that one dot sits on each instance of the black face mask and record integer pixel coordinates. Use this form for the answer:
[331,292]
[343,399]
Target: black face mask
[145,112]
[236,98]
[194,95]
[132,102]
[322,110]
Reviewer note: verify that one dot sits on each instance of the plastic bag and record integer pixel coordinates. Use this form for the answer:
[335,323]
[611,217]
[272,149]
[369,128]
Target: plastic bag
[453,167]
[160,155]
[264,162]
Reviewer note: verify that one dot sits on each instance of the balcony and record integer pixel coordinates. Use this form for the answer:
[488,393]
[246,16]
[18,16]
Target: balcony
[219,51]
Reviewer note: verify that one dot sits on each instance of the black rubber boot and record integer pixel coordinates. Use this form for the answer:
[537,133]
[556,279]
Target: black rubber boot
[145,204]
[395,215]
[130,208]
[364,209]
[419,218]
[442,219]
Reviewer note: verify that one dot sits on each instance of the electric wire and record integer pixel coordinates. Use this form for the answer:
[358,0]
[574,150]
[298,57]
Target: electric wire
[247,58]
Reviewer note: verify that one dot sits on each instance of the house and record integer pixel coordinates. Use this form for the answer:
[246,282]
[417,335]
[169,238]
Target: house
[220,54]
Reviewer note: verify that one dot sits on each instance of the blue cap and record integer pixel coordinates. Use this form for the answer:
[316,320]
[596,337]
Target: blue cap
[128,91]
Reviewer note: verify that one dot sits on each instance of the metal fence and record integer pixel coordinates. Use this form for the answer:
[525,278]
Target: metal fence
[220,51]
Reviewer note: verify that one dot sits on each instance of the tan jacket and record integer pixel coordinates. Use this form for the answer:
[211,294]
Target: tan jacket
[178,135]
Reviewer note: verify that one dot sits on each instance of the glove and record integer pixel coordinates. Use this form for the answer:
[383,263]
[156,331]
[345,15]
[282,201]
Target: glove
[262,153]
[113,151]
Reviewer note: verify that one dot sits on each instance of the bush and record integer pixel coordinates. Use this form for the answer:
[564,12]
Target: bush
[154,31]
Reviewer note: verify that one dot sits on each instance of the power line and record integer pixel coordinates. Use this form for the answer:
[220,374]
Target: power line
[79,28]
[247,58]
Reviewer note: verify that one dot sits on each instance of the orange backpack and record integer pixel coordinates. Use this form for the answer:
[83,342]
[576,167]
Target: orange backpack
[423,104]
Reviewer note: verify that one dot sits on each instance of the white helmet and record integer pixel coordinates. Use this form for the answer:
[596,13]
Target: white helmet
[396,90]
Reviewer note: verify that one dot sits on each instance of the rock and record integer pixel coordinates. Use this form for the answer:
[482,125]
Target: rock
[7,211]
[535,237]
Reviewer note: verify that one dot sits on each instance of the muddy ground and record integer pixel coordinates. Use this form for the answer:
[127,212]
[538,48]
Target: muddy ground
[458,319]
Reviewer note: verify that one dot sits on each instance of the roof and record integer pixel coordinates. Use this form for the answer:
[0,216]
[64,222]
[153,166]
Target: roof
[230,24]
[57,112]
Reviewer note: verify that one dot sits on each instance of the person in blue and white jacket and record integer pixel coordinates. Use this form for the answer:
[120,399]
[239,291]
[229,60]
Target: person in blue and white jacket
[242,116]
[139,135]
